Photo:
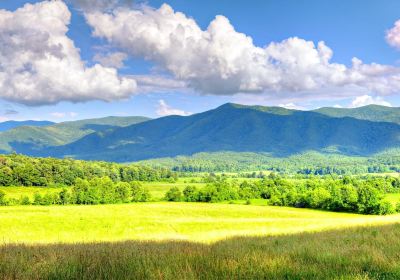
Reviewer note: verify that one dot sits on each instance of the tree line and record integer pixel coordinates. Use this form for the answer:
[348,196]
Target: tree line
[19,170]
[365,196]
[87,192]
[308,163]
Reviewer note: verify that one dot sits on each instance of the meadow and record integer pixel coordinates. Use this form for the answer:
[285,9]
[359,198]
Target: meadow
[199,222]
[168,240]
[132,222]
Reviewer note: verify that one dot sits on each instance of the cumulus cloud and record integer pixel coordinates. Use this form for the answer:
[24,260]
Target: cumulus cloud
[115,60]
[164,109]
[222,61]
[158,83]
[368,100]
[96,5]
[40,65]
[393,35]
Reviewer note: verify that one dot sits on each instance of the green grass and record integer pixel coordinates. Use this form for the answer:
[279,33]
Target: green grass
[158,189]
[17,192]
[167,240]
[357,253]
[199,222]
[394,198]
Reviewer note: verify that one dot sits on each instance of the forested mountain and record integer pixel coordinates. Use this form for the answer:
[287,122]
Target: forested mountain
[276,131]
[27,139]
[231,127]
[375,113]
[7,125]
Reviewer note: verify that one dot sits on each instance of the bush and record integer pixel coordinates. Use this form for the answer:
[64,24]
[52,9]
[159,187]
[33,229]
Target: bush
[139,193]
[385,208]
[3,200]
[64,197]
[24,200]
[122,192]
[174,194]
[191,194]
[37,199]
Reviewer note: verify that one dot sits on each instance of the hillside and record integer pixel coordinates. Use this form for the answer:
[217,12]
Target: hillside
[375,113]
[238,128]
[7,125]
[26,139]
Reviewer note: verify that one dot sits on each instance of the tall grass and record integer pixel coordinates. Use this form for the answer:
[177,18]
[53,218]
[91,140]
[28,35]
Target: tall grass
[203,222]
[357,253]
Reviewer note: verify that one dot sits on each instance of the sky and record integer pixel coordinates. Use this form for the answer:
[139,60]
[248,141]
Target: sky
[76,59]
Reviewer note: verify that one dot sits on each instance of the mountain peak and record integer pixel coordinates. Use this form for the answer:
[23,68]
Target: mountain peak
[266,109]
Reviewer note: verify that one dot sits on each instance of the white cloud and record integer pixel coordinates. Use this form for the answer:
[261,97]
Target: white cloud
[222,61]
[292,106]
[61,115]
[92,5]
[40,65]
[157,83]
[115,60]
[164,109]
[393,35]
[368,100]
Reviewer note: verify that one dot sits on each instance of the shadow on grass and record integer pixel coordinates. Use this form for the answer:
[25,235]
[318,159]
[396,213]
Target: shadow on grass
[358,253]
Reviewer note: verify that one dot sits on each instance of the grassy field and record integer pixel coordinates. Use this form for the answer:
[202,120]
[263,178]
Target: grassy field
[357,253]
[17,192]
[200,222]
[394,198]
[195,241]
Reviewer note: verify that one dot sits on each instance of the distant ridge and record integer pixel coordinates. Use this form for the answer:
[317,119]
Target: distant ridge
[231,127]
[370,112]
[28,139]
[239,128]
[7,125]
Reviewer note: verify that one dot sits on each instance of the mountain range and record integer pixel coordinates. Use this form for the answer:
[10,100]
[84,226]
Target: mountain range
[7,125]
[31,139]
[230,127]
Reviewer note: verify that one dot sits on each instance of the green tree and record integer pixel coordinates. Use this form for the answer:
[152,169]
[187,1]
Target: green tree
[139,193]
[191,194]
[173,194]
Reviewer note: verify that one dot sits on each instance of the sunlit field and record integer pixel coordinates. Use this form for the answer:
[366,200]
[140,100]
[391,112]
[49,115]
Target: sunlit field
[198,222]
[195,241]
[18,192]
[352,253]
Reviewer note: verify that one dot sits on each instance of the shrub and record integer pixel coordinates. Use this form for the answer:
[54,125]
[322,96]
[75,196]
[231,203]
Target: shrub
[174,194]
[64,197]
[37,199]
[3,200]
[139,193]
[385,208]
[122,192]
[191,194]
[24,200]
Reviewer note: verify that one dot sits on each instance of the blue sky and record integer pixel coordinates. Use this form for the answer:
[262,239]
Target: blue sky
[350,29]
